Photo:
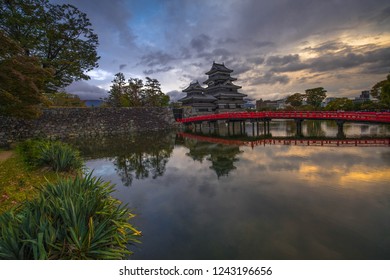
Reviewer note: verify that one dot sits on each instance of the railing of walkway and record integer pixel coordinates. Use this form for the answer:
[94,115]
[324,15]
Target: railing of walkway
[380,117]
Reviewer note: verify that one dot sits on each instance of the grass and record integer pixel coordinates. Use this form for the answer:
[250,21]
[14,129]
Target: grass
[18,181]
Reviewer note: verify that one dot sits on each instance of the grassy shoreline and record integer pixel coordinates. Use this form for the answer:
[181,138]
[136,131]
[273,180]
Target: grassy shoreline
[18,181]
[51,209]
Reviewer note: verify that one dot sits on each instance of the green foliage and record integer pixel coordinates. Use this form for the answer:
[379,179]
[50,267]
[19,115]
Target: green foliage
[59,35]
[58,156]
[63,99]
[71,219]
[295,100]
[343,103]
[382,91]
[134,93]
[22,80]
[315,96]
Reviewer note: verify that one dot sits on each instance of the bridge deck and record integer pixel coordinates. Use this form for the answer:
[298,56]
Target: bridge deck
[376,117]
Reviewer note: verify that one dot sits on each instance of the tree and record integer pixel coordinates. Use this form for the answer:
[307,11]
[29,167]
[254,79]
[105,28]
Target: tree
[315,96]
[59,35]
[382,91]
[343,103]
[22,80]
[134,93]
[295,100]
[63,99]
[116,93]
[153,95]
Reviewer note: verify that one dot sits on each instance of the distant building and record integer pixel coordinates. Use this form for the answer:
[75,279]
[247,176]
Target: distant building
[365,96]
[220,95]
[270,104]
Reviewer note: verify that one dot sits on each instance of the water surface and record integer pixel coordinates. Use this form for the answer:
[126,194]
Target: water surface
[199,199]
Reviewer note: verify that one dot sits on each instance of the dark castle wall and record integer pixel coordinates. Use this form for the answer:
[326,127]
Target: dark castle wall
[75,122]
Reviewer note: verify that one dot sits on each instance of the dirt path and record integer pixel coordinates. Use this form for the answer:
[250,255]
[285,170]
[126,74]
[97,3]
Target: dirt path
[4,155]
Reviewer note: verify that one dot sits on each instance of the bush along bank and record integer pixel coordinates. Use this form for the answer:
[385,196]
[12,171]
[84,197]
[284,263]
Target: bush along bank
[73,218]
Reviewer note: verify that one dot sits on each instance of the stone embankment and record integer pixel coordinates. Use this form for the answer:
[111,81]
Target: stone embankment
[57,123]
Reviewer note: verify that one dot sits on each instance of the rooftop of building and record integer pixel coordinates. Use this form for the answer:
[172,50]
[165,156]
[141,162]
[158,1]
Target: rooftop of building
[217,67]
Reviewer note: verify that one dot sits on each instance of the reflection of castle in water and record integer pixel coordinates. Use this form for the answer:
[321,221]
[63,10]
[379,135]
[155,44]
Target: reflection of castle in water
[222,157]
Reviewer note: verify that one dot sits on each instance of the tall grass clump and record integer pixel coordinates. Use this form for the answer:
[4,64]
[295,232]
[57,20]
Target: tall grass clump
[56,155]
[71,219]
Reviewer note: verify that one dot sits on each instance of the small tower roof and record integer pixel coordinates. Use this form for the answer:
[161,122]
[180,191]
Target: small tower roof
[195,86]
[218,67]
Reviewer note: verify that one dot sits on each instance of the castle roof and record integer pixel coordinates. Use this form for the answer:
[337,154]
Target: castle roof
[194,87]
[198,97]
[218,68]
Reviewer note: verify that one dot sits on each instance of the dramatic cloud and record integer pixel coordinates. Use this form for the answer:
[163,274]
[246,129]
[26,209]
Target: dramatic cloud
[274,47]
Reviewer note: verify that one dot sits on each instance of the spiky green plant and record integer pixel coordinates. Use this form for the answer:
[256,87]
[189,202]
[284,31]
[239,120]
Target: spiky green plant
[60,156]
[72,219]
[57,155]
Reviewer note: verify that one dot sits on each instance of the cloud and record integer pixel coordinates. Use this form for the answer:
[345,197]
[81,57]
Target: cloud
[158,70]
[270,78]
[200,42]
[282,60]
[156,58]
[100,74]
[86,91]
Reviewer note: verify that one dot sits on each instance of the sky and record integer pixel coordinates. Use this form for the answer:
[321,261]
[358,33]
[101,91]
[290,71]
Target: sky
[275,48]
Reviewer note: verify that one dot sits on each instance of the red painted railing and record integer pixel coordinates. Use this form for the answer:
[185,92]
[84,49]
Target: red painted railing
[379,117]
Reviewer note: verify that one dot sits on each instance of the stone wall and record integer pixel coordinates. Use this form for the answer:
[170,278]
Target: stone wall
[75,122]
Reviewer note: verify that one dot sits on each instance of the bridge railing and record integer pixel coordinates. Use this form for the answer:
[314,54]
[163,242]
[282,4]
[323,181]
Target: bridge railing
[321,115]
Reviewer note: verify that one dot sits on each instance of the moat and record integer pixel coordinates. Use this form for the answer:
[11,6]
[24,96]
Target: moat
[207,199]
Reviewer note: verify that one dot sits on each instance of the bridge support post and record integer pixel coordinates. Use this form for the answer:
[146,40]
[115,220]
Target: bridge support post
[340,129]
[267,126]
[298,123]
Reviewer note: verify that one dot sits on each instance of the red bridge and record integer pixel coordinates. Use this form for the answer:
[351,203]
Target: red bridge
[374,117]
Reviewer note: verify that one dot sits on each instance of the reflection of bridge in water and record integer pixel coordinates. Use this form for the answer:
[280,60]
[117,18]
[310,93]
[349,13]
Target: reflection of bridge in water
[335,142]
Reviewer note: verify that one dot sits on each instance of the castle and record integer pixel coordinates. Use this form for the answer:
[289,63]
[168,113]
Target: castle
[220,95]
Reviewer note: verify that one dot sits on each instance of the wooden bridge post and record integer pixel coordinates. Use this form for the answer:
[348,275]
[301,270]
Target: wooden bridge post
[340,129]
[298,123]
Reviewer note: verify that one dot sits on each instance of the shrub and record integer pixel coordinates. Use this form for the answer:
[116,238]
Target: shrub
[54,154]
[71,219]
